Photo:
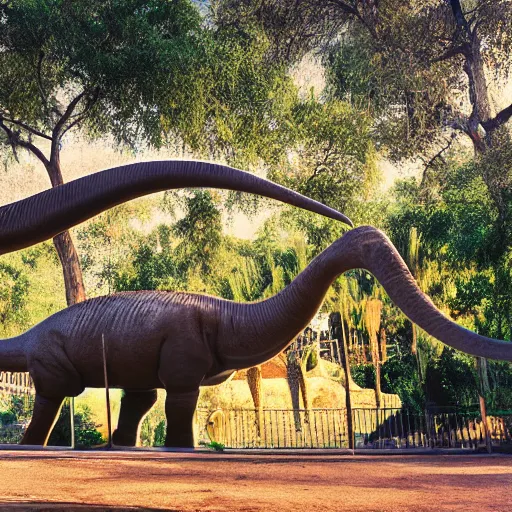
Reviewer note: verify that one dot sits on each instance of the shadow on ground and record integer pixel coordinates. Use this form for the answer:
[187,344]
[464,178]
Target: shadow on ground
[28,506]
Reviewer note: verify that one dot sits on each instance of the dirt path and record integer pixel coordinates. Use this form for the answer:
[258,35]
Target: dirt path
[229,482]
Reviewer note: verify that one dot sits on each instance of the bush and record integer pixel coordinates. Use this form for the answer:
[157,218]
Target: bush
[86,434]
[7,418]
[160,431]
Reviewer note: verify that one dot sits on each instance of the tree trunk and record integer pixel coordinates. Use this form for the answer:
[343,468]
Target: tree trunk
[254,380]
[376,363]
[293,371]
[303,383]
[338,332]
[73,279]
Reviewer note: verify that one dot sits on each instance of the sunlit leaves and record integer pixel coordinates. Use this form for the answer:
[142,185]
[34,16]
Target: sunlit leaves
[13,295]
[128,57]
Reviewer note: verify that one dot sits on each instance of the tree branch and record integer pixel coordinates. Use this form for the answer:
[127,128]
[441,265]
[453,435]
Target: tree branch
[91,100]
[39,80]
[346,8]
[350,9]
[321,166]
[33,131]
[462,49]
[77,120]
[500,119]
[439,154]
[67,114]
[460,19]
[15,140]
[60,129]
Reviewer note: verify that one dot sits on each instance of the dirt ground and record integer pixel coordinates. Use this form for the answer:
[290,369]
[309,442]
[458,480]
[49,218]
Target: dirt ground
[82,481]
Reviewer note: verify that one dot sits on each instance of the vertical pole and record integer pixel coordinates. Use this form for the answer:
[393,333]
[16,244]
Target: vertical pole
[107,392]
[484,387]
[72,420]
[483,413]
[335,320]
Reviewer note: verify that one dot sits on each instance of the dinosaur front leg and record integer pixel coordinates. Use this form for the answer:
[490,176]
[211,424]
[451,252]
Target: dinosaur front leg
[134,406]
[179,411]
[184,361]
[43,420]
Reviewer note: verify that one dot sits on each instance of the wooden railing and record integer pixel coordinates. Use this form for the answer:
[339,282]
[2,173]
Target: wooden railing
[16,382]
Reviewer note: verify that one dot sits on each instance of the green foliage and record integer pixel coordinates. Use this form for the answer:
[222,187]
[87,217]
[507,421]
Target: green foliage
[459,230]
[243,102]
[451,380]
[86,434]
[160,432]
[214,445]
[312,360]
[199,231]
[148,270]
[400,376]
[29,288]
[16,409]
[14,285]
[120,60]
[7,418]
[364,375]
[333,160]
[153,428]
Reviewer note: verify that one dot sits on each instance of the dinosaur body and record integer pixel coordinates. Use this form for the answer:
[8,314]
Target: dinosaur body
[180,341]
[154,339]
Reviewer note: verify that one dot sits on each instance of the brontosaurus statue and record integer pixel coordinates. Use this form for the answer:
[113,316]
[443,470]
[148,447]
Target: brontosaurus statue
[44,215]
[39,217]
[181,341]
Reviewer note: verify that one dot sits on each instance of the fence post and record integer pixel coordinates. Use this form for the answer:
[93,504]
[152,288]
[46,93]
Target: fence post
[484,388]
[72,420]
[336,326]
[107,391]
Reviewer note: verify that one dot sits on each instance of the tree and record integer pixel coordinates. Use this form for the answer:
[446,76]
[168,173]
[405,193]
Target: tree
[85,429]
[14,286]
[105,67]
[424,70]
[332,160]
[427,72]
[244,103]
[200,232]
[459,266]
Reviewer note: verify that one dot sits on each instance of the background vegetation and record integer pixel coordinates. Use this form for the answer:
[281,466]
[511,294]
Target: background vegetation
[413,83]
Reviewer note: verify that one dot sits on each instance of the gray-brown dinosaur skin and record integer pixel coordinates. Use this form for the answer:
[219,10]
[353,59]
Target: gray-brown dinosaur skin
[42,216]
[181,341]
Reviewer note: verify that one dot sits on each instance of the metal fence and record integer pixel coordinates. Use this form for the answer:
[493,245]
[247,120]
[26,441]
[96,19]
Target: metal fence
[373,428]
[313,428]
[399,428]
[274,428]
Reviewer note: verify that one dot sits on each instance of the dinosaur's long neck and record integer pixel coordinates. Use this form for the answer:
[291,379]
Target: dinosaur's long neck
[12,354]
[259,331]
[47,214]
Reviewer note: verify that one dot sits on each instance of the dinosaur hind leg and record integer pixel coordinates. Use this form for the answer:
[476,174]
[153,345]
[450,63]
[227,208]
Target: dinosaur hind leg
[179,411]
[43,419]
[183,366]
[134,406]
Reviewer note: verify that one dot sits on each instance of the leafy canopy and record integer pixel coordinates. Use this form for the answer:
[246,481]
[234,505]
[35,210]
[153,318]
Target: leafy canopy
[121,62]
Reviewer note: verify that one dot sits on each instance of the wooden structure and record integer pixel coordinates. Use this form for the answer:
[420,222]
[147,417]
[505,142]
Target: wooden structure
[16,383]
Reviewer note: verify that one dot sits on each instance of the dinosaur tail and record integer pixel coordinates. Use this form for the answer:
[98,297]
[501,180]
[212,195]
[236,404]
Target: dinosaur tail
[12,355]
[47,214]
